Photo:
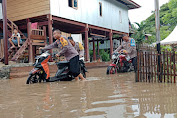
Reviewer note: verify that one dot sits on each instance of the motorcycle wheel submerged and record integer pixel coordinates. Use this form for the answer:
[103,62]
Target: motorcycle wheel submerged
[111,70]
[34,78]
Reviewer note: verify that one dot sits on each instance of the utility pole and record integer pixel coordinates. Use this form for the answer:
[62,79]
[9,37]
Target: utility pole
[157,20]
[5,37]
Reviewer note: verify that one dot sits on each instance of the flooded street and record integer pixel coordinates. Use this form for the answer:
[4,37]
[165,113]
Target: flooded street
[101,96]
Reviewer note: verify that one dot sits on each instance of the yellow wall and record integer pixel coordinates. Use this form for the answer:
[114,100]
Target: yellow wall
[22,9]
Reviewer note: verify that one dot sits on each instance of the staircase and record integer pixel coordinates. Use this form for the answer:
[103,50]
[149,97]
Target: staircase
[36,37]
[11,26]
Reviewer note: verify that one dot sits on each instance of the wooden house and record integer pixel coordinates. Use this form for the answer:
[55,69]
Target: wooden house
[86,17]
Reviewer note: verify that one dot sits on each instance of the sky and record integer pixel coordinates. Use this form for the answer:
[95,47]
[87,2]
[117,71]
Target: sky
[147,6]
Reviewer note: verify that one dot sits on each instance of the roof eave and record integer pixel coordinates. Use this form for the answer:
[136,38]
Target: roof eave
[135,4]
[130,4]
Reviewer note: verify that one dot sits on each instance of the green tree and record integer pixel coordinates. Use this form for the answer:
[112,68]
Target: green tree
[168,21]
[171,16]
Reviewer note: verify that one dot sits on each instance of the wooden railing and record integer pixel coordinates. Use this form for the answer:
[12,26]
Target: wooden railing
[36,37]
[13,26]
[38,34]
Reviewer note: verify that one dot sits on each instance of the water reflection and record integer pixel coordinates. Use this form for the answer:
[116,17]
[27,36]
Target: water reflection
[102,96]
[157,100]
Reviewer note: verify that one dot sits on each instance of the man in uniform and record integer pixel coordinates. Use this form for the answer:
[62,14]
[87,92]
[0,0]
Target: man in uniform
[78,46]
[129,47]
[66,49]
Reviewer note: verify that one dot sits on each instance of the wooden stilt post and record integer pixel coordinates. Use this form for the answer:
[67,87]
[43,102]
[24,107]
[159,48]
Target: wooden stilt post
[5,34]
[111,43]
[45,41]
[98,50]
[30,50]
[50,32]
[94,51]
[86,43]
[34,52]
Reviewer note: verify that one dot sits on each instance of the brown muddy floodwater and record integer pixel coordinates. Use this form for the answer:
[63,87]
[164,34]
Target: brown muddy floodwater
[101,96]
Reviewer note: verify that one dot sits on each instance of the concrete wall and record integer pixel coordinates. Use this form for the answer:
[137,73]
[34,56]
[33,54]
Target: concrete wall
[88,12]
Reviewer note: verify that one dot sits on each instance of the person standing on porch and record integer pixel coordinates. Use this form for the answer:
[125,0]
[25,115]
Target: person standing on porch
[66,49]
[15,39]
[129,47]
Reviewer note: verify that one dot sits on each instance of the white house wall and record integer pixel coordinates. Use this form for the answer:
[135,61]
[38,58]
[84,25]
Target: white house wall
[77,37]
[1,16]
[88,12]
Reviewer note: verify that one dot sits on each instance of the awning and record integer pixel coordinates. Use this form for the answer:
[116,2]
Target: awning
[171,39]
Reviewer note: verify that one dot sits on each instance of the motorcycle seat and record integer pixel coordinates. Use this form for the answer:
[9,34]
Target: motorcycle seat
[62,64]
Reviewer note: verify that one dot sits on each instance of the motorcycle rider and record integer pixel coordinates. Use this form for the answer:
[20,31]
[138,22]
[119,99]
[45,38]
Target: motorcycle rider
[128,46]
[78,46]
[66,49]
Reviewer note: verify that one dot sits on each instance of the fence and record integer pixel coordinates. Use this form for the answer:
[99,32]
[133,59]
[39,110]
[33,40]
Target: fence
[147,65]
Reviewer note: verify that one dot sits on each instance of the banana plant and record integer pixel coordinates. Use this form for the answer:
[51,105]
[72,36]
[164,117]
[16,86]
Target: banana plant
[139,34]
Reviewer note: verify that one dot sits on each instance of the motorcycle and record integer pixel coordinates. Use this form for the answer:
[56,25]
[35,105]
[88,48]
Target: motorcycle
[120,63]
[40,72]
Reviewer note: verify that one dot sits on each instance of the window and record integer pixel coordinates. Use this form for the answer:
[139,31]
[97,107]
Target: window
[100,8]
[70,3]
[120,16]
[73,3]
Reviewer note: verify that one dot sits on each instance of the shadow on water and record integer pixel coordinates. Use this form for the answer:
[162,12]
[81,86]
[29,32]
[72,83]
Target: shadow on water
[101,96]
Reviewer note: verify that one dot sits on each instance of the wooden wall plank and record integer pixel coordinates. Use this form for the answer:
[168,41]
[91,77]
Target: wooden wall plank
[22,9]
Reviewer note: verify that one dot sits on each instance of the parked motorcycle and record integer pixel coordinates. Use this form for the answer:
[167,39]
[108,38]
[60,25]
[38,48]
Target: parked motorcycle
[120,63]
[40,72]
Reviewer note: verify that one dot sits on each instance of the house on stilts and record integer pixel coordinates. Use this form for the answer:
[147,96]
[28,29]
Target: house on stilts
[35,20]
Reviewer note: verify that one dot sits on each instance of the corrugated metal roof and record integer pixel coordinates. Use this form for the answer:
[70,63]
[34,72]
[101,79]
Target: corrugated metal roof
[129,3]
